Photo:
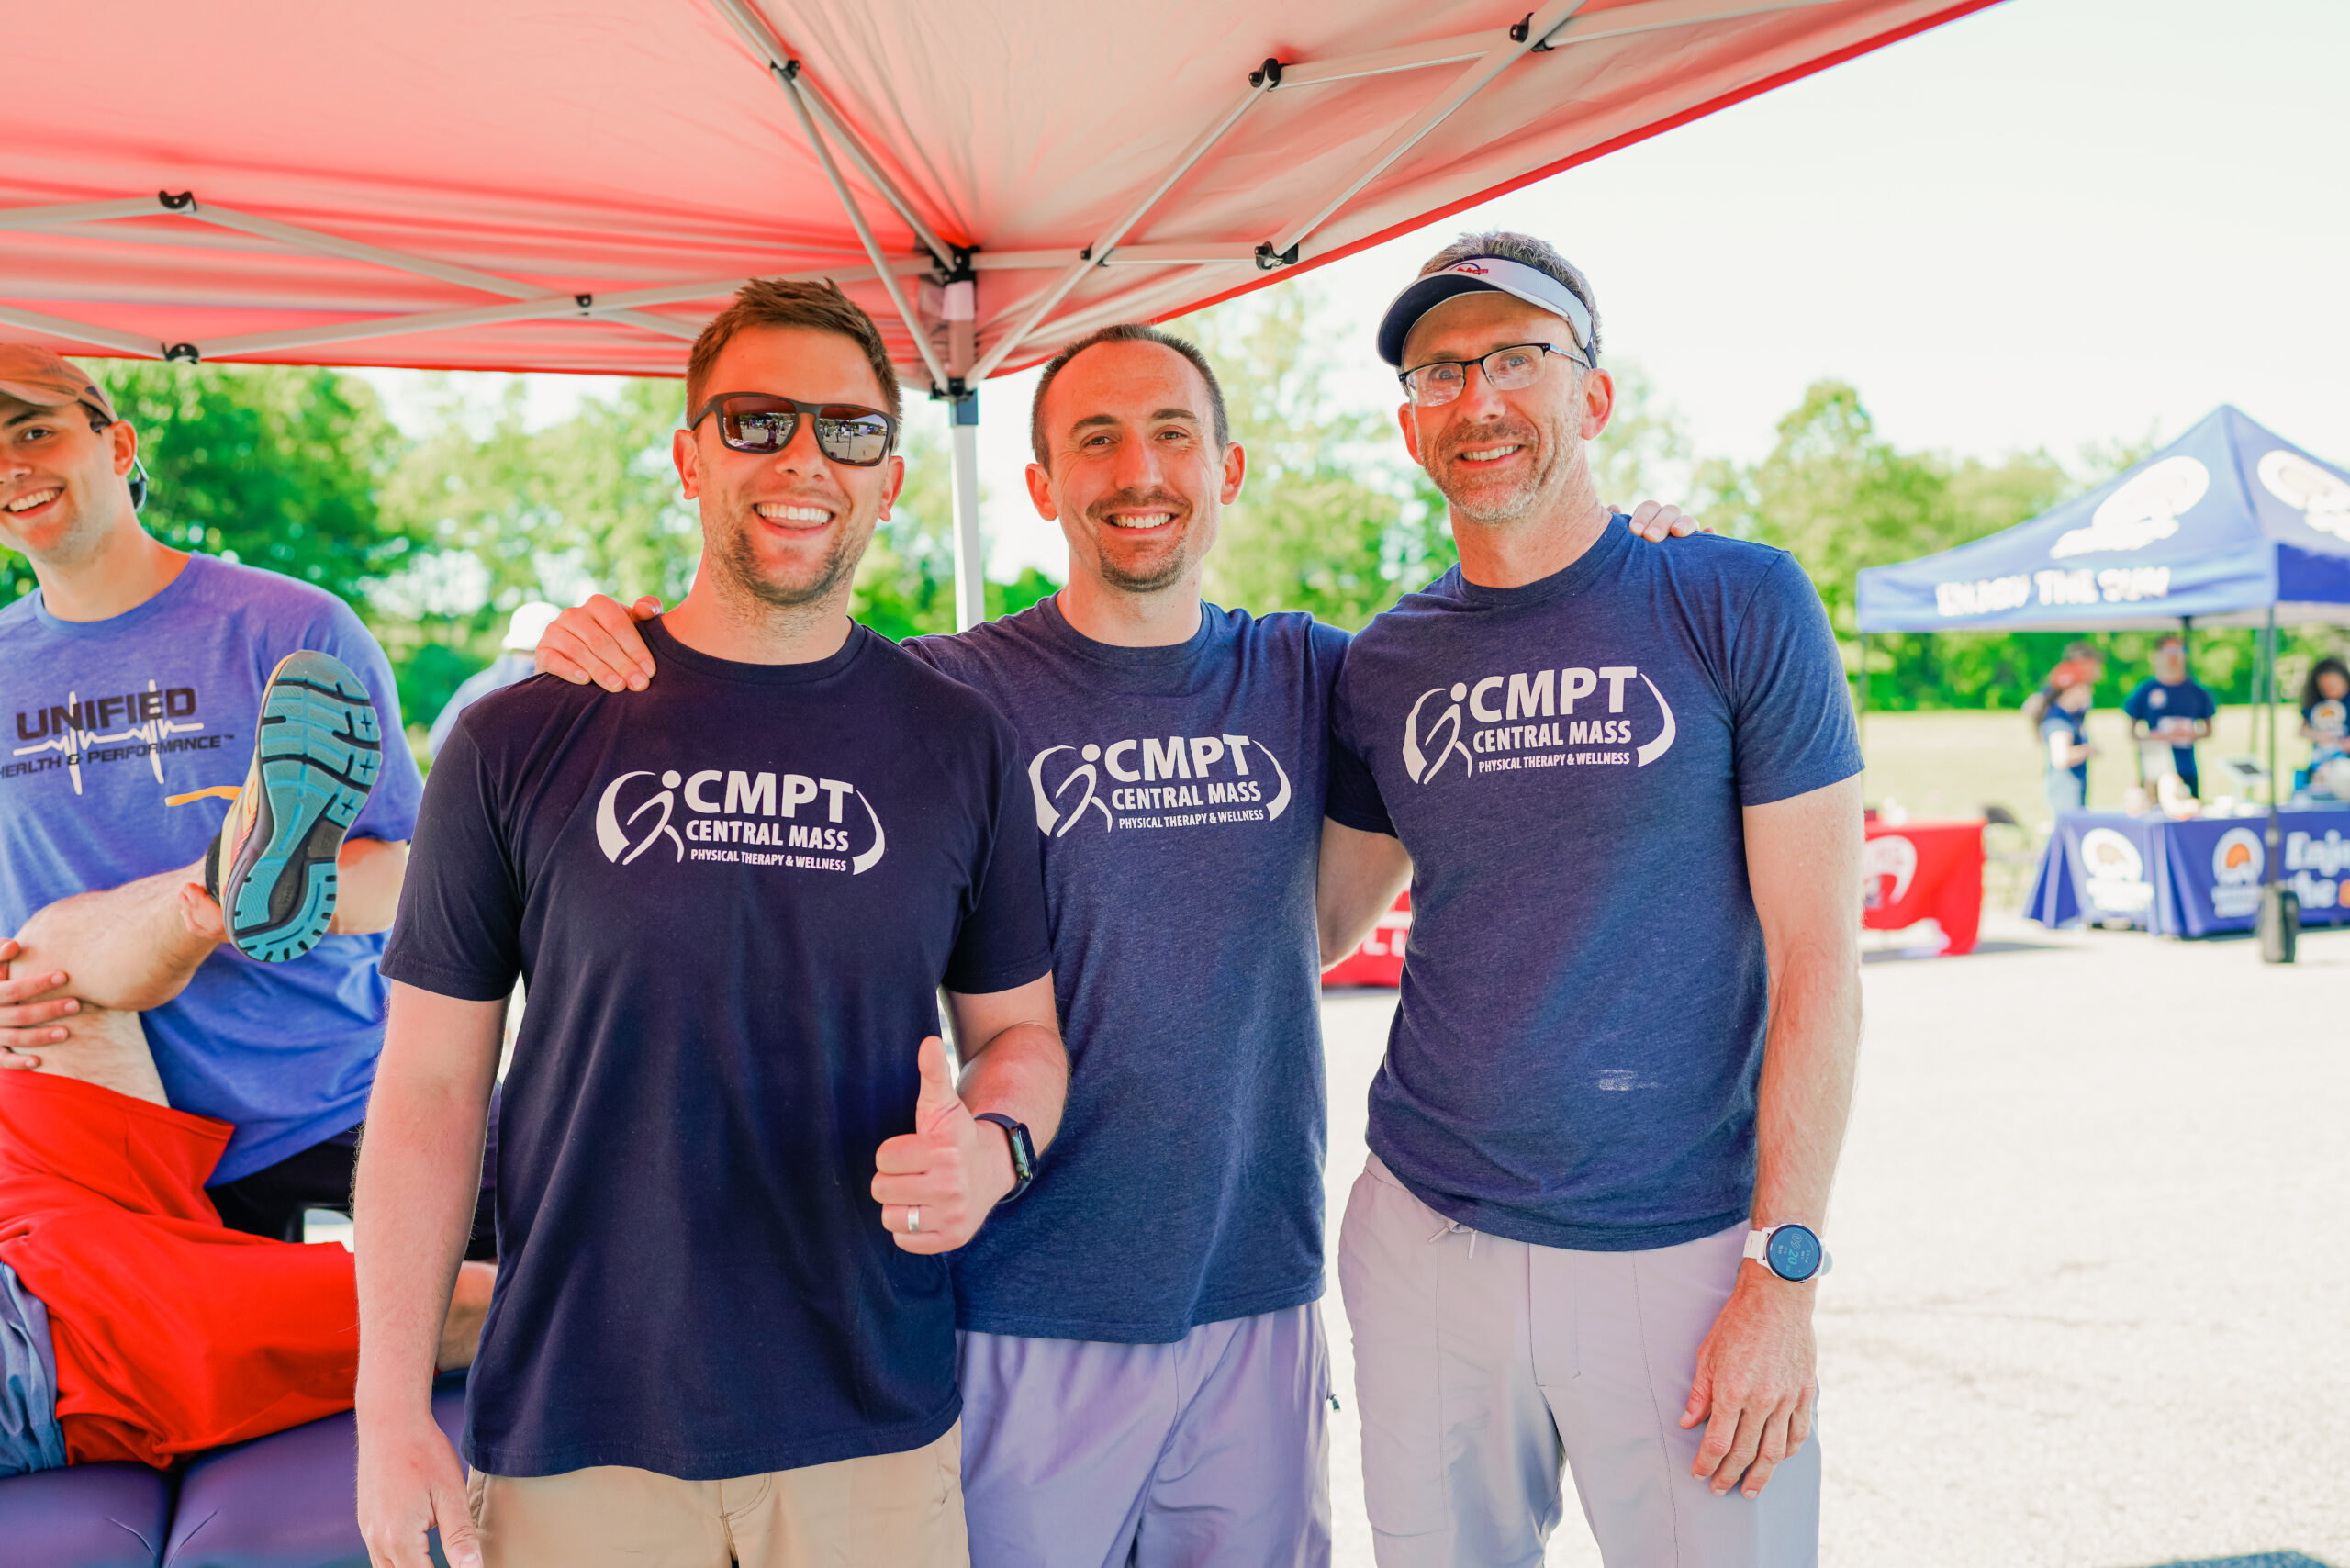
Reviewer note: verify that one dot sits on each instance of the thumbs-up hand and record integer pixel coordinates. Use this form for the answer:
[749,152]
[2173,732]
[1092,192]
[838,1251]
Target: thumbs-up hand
[936,1184]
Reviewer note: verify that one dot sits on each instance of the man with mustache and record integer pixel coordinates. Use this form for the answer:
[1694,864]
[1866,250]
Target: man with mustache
[1587,1230]
[731,1148]
[1144,1372]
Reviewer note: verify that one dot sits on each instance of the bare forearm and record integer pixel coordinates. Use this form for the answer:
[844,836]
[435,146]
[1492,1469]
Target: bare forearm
[368,886]
[1360,874]
[128,949]
[1023,1074]
[1806,1096]
[419,1169]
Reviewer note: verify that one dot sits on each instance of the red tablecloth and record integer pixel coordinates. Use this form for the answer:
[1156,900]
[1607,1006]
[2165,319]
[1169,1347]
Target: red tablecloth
[1924,871]
[1914,872]
[1379,960]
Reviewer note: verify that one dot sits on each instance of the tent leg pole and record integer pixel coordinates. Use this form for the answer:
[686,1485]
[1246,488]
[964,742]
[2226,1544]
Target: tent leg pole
[970,558]
[1861,706]
[2280,914]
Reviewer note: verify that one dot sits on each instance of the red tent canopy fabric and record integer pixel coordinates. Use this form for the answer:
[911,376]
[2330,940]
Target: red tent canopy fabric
[577,186]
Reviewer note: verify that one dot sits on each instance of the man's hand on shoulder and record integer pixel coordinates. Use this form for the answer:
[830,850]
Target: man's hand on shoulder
[1656,521]
[1757,1380]
[936,1184]
[599,640]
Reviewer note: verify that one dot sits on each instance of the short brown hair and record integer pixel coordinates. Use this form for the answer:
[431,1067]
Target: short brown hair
[1124,333]
[779,302]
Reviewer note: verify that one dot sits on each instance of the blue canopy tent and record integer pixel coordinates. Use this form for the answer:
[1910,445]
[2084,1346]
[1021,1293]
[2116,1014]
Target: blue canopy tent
[2229,525]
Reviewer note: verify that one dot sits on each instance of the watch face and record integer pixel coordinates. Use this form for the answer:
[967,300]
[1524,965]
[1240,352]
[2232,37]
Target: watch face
[1794,1252]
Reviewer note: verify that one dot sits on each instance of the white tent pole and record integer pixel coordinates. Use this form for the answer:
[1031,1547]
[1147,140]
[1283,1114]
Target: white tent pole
[76,332]
[398,260]
[78,212]
[970,558]
[792,90]
[1408,135]
[780,64]
[546,307]
[1099,251]
[1648,17]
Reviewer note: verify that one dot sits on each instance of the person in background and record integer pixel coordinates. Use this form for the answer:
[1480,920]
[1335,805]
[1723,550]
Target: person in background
[514,662]
[2326,710]
[2082,661]
[2063,733]
[2170,705]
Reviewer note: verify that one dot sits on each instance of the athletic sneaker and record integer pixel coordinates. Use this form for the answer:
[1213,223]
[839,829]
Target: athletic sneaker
[316,753]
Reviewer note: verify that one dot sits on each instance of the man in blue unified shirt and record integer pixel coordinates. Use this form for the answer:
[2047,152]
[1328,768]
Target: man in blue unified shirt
[135,678]
[1161,1403]
[732,1153]
[2170,706]
[1603,1136]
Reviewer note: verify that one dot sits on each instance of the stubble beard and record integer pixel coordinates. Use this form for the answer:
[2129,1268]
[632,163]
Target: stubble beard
[740,565]
[1170,567]
[1556,451]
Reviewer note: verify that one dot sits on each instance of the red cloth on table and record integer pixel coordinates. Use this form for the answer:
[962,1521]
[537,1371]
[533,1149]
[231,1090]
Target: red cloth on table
[173,1333]
[1924,871]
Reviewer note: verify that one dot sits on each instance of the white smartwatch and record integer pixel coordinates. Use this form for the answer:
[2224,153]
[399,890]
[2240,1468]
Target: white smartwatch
[1790,1252]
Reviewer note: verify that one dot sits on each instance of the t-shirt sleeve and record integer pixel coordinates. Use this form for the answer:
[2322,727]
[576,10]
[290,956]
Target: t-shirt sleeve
[2134,705]
[1791,707]
[1005,940]
[391,808]
[1354,798]
[459,928]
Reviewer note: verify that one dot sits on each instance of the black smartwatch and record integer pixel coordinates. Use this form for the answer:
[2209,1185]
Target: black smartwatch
[1024,1151]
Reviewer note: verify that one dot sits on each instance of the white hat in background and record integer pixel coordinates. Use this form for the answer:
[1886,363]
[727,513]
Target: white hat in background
[530,624]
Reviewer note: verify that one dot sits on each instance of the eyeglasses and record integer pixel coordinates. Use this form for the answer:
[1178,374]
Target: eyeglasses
[1506,370]
[762,424]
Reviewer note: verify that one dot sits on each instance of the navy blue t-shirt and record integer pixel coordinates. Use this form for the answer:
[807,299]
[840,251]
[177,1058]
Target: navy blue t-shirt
[2153,701]
[1180,790]
[1575,1060]
[733,898]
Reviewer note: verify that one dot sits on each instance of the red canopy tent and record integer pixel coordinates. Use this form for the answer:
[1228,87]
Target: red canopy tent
[577,187]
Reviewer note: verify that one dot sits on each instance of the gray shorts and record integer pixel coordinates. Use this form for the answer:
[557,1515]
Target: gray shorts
[1211,1451]
[1482,1364]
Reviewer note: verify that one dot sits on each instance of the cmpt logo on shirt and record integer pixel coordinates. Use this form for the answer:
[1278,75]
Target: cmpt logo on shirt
[1495,742]
[738,819]
[1181,781]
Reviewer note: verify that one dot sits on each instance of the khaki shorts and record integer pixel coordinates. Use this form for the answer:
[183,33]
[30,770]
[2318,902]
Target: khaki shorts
[890,1510]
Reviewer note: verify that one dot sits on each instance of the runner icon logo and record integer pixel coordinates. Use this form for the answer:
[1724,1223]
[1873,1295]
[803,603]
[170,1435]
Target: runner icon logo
[1182,774]
[748,813]
[1495,703]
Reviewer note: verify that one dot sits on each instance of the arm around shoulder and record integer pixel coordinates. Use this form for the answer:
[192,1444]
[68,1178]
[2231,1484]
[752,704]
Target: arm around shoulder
[1360,876]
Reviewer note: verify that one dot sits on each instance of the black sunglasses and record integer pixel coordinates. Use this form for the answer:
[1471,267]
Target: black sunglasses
[763,424]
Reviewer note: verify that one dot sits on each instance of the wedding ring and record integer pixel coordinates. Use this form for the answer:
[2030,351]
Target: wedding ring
[914,1219]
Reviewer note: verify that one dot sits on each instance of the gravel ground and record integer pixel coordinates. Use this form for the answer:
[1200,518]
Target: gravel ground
[2088,1308]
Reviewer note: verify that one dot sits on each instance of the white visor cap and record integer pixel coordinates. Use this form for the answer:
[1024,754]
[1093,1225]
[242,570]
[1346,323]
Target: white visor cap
[1537,287]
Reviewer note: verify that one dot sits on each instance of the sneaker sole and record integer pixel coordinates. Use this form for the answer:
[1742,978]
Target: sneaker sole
[318,748]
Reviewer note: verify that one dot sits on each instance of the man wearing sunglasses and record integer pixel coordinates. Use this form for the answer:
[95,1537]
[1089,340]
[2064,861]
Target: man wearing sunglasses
[732,1151]
[1143,1370]
[1603,1138]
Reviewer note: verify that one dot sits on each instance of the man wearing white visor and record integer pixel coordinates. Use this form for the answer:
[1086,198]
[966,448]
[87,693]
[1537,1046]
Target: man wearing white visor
[1603,1138]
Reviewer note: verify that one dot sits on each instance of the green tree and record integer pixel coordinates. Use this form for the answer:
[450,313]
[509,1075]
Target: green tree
[1645,453]
[1331,519]
[276,466]
[905,585]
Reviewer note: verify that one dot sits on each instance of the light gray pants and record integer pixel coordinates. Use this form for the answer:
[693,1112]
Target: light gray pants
[1481,1364]
[1209,1452]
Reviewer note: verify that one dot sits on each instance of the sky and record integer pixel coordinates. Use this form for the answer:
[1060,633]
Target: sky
[2049,224]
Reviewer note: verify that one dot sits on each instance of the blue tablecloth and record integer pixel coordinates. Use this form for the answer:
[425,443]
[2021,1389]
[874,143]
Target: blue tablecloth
[2189,878]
